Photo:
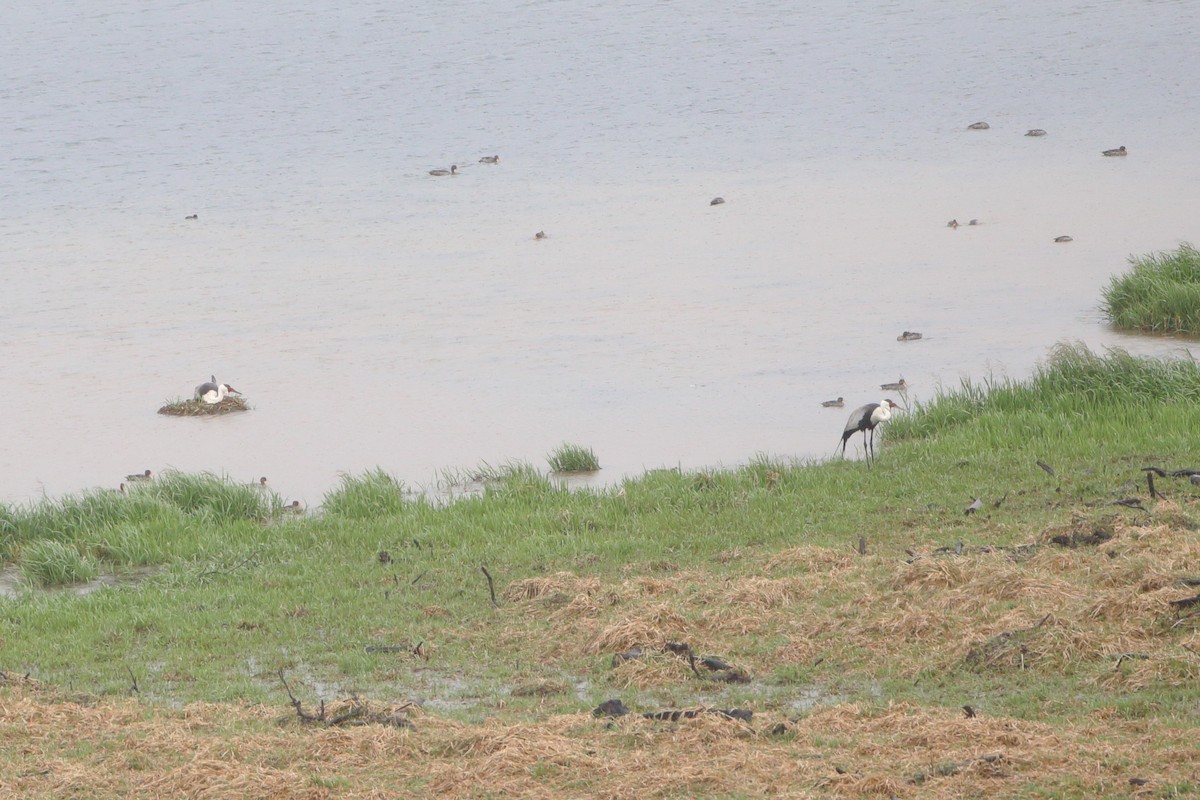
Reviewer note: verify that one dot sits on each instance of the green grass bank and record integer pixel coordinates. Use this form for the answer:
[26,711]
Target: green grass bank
[845,597]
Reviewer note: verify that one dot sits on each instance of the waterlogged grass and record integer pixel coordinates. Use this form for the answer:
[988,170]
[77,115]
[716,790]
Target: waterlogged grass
[47,562]
[1160,293]
[373,494]
[172,516]
[760,565]
[573,458]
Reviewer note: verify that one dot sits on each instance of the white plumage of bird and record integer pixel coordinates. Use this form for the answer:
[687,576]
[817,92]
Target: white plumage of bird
[212,392]
[866,419]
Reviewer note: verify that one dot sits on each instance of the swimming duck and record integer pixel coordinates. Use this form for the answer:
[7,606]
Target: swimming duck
[1117,151]
[1035,132]
[540,235]
[899,386]
[908,336]
[192,216]
[294,507]
[952,223]
[716,201]
[490,160]
[439,172]
[978,126]
[841,401]
[973,222]
[1061,239]
[141,476]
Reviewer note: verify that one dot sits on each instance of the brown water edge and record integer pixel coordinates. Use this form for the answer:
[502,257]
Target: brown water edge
[658,330]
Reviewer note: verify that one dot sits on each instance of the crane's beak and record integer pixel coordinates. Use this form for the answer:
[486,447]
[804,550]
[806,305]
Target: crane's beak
[231,390]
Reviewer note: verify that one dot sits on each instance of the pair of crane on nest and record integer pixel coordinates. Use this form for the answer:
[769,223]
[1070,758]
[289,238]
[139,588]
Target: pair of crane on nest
[211,392]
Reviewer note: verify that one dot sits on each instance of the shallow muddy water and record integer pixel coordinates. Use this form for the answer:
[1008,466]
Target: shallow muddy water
[374,315]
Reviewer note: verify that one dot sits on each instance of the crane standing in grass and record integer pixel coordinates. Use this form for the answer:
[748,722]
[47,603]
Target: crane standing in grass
[865,419]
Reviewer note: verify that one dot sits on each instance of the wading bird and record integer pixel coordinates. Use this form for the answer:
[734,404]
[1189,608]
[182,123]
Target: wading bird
[141,476]
[865,419]
[439,172]
[212,392]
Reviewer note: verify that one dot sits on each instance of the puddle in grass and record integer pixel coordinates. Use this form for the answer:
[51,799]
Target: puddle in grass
[13,583]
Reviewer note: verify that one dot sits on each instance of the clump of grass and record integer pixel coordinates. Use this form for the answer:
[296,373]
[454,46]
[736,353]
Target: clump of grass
[208,496]
[1071,382]
[518,479]
[197,408]
[50,563]
[372,494]
[573,458]
[1161,293]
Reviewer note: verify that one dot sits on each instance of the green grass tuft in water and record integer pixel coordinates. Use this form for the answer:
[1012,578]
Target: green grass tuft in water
[372,494]
[1161,293]
[573,458]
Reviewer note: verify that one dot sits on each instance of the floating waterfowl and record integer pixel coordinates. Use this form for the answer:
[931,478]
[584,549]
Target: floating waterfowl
[841,401]
[294,507]
[490,160]
[978,126]
[973,222]
[261,483]
[540,235]
[439,172]
[1117,151]
[192,216]
[1035,132]
[716,201]
[141,476]
[952,223]
[212,392]
[1061,239]
[908,336]
[899,386]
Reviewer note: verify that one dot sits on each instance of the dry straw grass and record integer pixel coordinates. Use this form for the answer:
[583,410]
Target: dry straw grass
[980,610]
[195,408]
[220,752]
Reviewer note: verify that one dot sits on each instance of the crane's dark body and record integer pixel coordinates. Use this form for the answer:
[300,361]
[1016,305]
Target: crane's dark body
[866,419]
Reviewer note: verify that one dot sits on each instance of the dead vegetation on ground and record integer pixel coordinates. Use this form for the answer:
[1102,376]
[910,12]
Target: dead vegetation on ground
[1118,613]
[222,752]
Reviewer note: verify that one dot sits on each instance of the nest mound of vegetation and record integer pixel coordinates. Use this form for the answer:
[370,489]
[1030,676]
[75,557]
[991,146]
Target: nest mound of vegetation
[198,408]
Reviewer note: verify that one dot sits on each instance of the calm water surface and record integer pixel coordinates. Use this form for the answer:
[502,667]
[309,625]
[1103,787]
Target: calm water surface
[375,315]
